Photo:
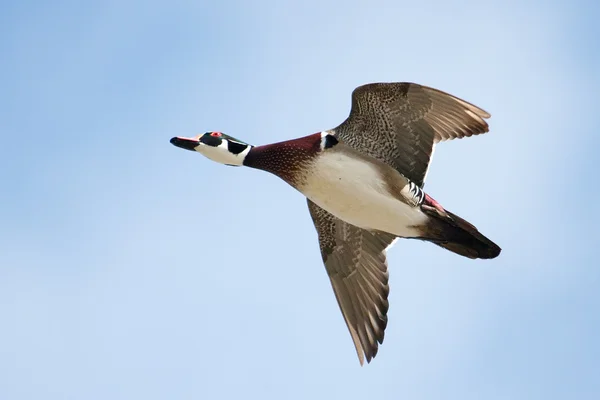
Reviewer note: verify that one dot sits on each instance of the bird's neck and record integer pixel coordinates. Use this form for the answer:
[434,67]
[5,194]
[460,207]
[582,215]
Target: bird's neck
[285,159]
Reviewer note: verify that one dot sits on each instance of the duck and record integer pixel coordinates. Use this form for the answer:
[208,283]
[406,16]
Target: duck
[363,182]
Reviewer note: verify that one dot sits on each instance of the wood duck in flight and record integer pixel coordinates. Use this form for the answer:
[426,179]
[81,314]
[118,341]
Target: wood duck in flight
[364,185]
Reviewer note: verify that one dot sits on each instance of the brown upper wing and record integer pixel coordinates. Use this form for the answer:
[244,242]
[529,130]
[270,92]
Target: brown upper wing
[399,124]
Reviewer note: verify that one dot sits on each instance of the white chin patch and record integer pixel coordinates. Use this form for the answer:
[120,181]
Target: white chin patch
[221,154]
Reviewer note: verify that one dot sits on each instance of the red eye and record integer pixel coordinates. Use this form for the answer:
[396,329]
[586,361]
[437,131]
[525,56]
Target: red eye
[216,134]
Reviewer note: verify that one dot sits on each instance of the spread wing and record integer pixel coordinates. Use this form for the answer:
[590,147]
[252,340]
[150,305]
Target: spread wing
[400,123]
[356,264]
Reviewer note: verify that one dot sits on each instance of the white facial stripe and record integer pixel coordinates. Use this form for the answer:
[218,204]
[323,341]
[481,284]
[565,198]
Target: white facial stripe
[223,145]
[244,153]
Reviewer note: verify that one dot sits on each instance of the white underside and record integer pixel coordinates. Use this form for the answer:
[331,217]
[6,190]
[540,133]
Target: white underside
[356,193]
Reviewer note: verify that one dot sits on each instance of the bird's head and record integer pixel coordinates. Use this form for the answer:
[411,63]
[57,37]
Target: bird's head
[217,146]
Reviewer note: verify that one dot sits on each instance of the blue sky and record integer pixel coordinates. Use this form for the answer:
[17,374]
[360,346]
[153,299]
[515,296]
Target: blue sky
[132,269]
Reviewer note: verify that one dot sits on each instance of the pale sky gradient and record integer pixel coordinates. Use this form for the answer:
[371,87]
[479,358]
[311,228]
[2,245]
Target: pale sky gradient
[130,269]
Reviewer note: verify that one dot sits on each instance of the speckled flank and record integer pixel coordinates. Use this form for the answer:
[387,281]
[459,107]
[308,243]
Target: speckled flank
[288,160]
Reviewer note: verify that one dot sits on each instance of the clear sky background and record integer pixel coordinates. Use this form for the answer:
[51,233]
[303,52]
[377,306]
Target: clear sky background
[130,269]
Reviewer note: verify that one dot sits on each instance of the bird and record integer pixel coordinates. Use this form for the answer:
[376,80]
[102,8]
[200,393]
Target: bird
[363,182]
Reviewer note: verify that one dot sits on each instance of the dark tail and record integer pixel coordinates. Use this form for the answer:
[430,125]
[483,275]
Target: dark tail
[457,235]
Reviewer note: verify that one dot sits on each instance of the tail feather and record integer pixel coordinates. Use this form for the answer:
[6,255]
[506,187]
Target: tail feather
[453,233]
